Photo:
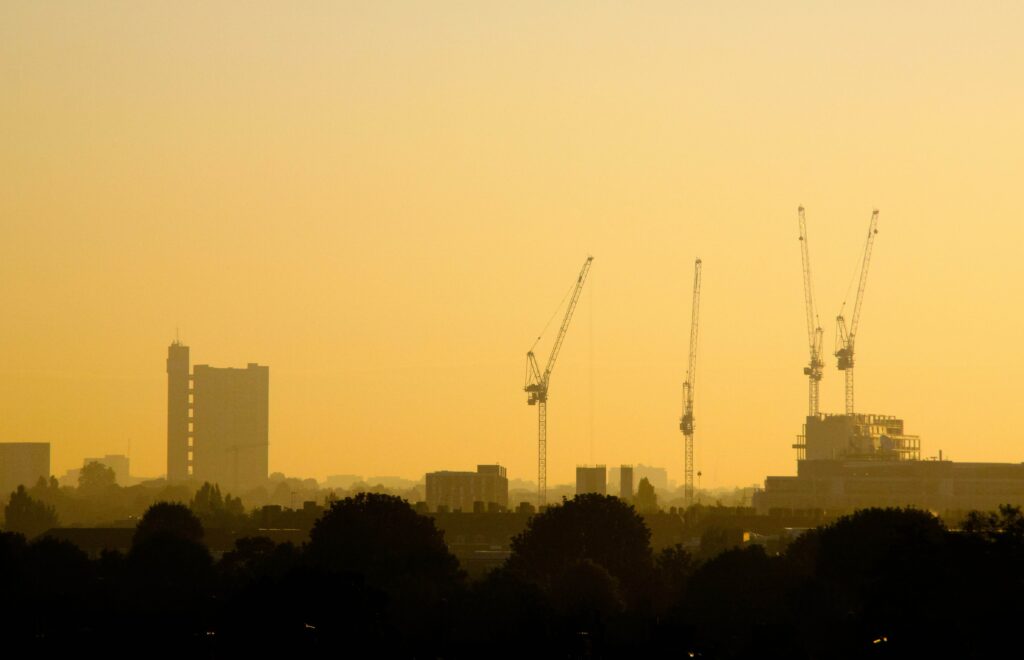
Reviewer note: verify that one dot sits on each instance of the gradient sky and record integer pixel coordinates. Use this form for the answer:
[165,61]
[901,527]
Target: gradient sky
[385,202]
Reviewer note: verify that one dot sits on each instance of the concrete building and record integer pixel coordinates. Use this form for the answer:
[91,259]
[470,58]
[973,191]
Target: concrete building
[217,422]
[21,464]
[848,462]
[179,413]
[116,462]
[487,488]
[657,476]
[941,486]
[626,483]
[591,479]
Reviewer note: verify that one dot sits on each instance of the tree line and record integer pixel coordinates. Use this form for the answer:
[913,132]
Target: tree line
[581,581]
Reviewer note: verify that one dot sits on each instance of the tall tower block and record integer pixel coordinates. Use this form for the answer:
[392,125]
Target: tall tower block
[177,412]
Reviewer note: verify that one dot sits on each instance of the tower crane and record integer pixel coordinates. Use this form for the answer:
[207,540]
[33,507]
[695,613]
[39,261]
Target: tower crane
[815,366]
[537,383]
[686,423]
[845,337]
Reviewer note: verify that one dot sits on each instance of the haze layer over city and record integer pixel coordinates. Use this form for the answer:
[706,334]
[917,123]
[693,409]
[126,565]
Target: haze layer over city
[386,207]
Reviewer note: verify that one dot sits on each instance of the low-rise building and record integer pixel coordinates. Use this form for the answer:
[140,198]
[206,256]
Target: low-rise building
[462,491]
[940,486]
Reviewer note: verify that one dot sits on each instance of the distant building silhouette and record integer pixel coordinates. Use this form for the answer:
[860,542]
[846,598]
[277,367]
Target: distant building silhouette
[626,483]
[21,464]
[591,479]
[658,476]
[847,462]
[451,491]
[179,395]
[217,422]
[116,462]
[342,481]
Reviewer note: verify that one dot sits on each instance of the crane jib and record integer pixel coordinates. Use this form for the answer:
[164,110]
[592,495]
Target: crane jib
[537,383]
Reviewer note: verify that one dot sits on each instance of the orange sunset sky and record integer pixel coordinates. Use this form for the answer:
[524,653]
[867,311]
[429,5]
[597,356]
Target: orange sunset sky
[386,201]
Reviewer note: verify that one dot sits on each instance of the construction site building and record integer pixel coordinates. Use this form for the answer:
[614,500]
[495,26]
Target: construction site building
[857,437]
[849,462]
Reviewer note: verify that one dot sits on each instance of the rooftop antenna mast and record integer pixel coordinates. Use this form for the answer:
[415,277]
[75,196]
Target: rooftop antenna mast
[537,383]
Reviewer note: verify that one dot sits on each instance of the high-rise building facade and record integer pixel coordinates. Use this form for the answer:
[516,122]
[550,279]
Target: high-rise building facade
[221,433]
[21,464]
[179,413]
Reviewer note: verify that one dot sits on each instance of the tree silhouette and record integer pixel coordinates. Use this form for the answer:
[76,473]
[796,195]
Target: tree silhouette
[166,520]
[736,603]
[877,573]
[27,516]
[95,478]
[590,527]
[257,557]
[508,611]
[57,576]
[213,510]
[169,576]
[1004,526]
[587,594]
[646,499]
[673,568]
[382,538]
[378,549]
[716,540]
[581,583]
[207,502]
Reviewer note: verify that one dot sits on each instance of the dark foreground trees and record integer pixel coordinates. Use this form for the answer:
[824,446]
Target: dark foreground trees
[373,573]
[592,528]
[581,582]
[28,516]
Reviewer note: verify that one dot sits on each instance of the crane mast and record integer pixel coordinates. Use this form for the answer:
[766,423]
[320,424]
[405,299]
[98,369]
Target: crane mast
[537,383]
[815,366]
[846,336]
[686,423]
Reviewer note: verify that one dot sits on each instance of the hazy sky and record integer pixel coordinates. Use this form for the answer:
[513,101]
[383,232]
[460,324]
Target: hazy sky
[385,202]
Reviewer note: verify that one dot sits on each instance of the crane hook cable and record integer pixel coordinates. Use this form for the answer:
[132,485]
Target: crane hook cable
[553,315]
